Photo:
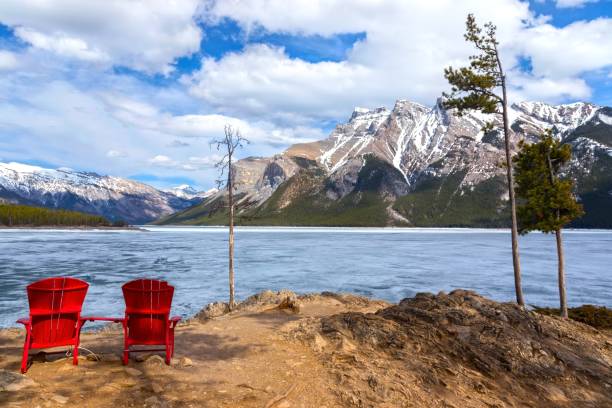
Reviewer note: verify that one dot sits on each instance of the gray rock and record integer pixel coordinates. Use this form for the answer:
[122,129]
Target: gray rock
[157,388]
[152,401]
[132,371]
[213,310]
[185,362]
[268,297]
[60,399]
[154,361]
[10,381]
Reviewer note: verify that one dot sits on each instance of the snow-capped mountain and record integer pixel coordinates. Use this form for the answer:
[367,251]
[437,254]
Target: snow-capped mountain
[189,193]
[113,197]
[425,165]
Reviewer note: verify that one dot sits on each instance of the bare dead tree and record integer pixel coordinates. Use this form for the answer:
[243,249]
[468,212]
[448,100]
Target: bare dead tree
[231,141]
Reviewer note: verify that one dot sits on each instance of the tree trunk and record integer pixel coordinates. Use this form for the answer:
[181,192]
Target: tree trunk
[515,250]
[560,259]
[562,294]
[230,185]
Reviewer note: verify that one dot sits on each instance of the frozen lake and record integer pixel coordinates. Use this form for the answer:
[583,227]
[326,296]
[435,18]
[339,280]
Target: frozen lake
[384,263]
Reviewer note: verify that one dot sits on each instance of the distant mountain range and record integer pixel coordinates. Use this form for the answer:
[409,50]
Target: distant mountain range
[112,197]
[414,165]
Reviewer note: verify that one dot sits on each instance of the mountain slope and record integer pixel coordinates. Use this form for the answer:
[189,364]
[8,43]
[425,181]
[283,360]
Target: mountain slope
[414,165]
[111,197]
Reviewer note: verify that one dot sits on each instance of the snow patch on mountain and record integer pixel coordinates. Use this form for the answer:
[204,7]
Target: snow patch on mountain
[605,118]
[565,117]
[188,192]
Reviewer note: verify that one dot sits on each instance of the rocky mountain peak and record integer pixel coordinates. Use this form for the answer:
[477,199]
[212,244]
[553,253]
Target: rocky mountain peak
[363,116]
[563,116]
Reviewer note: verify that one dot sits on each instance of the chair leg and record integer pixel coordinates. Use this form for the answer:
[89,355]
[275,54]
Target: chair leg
[77,343]
[172,342]
[75,355]
[126,347]
[26,352]
[168,354]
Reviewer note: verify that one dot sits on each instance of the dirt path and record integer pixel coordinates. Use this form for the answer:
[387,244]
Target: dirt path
[240,360]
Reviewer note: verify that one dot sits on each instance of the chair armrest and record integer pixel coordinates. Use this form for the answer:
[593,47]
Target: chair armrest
[174,321]
[25,321]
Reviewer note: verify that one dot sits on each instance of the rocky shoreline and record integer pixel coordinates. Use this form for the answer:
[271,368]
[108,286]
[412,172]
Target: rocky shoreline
[281,350]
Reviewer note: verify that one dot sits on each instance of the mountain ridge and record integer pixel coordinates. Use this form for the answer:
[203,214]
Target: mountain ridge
[448,165]
[115,198]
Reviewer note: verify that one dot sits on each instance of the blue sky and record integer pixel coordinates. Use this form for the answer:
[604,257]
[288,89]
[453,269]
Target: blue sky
[138,89]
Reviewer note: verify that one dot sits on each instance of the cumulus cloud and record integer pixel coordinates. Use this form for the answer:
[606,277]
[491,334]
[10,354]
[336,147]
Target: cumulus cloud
[8,60]
[160,160]
[193,163]
[529,88]
[573,3]
[115,153]
[61,44]
[569,51]
[146,35]
[178,143]
[263,81]
[407,44]
[62,102]
[96,129]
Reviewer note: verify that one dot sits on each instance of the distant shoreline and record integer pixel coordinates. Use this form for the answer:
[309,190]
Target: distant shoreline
[70,227]
[324,227]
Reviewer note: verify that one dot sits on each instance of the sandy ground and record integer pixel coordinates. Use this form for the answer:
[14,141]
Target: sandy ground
[240,360]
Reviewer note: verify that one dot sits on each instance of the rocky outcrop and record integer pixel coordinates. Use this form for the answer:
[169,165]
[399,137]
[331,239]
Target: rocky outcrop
[284,299]
[460,348]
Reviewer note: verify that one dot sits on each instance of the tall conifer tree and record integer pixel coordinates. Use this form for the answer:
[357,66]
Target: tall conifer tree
[477,87]
[547,202]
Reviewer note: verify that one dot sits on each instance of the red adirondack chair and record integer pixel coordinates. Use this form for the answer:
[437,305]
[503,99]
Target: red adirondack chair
[55,316]
[147,317]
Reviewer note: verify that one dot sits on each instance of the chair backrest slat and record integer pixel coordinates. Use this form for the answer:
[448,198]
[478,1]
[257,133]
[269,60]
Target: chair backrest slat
[55,306]
[147,309]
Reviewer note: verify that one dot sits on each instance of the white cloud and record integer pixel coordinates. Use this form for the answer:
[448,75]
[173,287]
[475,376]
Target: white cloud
[96,129]
[573,3]
[61,44]
[115,154]
[160,159]
[8,61]
[530,88]
[263,82]
[569,51]
[178,143]
[144,35]
[193,163]
[406,47]
[57,107]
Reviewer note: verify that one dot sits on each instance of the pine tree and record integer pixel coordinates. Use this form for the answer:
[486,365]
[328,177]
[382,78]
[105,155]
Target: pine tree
[232,140]
[23,215]
[476,87]
[547,202]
